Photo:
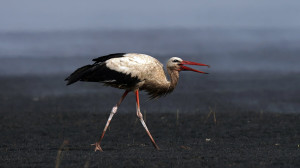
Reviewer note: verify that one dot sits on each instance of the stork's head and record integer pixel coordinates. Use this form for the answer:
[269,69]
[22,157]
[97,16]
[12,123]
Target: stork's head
[177,64]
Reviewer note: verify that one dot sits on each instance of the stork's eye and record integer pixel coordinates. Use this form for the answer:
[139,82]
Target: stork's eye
[175,60]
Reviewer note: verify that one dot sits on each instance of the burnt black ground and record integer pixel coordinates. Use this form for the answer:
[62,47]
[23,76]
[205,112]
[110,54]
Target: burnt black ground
[39,129]
[247,139]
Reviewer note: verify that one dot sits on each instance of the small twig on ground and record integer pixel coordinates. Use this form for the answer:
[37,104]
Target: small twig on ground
[177,117]
[211,111]
[145,116]
[60,153]
[261,114]
[87,164]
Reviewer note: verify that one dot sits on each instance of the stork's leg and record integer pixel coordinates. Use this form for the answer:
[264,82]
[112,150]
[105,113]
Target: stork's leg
[113,111]
[140,116]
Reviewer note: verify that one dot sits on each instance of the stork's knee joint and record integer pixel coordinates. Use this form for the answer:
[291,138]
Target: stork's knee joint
[114,109]
[140,115]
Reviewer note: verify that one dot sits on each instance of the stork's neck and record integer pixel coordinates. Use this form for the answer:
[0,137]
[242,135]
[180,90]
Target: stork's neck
[159,88]
[174,76]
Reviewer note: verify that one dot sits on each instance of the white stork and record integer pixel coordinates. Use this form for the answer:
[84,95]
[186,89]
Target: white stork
[132,72]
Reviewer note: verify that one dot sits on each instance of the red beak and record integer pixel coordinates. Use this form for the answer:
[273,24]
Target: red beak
[184,68]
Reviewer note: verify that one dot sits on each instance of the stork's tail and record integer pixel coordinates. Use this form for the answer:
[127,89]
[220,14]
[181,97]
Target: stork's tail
[78,74]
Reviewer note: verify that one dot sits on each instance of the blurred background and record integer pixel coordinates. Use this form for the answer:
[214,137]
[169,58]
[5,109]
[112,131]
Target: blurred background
[252,47]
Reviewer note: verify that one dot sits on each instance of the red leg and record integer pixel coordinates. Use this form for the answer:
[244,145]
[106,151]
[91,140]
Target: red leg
[140,116]
[113,111]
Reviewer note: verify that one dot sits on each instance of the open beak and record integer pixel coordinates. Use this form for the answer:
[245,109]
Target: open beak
[184,68]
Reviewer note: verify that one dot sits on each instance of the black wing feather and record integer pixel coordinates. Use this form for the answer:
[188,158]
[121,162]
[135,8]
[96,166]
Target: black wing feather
[78,74]
[101,73]
[107,57]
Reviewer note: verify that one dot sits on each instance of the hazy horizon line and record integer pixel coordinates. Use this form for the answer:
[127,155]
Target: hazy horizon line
[130,29]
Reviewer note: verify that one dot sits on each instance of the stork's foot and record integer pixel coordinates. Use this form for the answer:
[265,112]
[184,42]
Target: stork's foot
[97,147]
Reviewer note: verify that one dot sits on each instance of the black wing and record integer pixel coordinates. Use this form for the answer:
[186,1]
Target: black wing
[87,70]
[99,72]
